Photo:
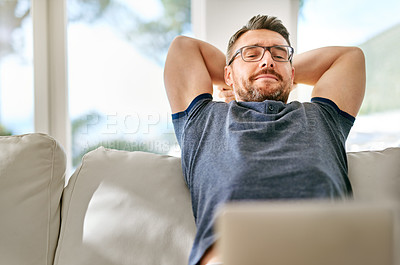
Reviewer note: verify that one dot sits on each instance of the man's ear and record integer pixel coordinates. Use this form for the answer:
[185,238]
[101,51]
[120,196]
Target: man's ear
[293,72]
[228,75]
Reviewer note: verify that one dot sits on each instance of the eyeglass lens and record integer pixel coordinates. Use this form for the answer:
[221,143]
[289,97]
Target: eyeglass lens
[251,54]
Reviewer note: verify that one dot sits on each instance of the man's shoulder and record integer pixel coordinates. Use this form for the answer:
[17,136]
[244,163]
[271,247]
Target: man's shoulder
[331,106]
[199,100]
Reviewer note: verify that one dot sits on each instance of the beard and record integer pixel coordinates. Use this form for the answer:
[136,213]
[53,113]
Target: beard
[248,91]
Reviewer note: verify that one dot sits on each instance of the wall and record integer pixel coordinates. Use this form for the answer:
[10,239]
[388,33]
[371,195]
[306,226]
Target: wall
[216,20]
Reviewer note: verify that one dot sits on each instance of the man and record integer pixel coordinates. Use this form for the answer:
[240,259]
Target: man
[258,147]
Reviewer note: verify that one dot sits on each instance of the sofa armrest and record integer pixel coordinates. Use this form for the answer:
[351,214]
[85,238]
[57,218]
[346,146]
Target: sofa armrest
[32,173]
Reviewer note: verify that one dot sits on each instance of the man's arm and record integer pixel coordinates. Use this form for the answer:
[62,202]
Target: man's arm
[337,73]
[191,69]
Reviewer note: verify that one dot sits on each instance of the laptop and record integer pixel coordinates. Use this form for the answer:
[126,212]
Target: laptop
[305,233]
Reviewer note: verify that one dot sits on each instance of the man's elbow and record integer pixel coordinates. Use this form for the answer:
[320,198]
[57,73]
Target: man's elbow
[354,57]
[180,42]
[357,54]
[178,50]
[359,73]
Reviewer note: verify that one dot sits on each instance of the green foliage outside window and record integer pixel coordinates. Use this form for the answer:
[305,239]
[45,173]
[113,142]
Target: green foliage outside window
[4,131]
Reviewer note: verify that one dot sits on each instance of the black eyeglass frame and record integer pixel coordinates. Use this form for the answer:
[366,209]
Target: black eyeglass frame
[290,49]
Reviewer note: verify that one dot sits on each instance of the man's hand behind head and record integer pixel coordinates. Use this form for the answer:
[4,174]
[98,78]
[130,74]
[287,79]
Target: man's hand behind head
[226,93]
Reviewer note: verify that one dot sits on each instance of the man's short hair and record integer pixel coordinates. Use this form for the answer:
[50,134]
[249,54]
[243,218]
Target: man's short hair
[258,22]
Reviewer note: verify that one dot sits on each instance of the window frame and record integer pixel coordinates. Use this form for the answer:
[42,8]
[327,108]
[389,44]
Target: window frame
[51,116]
[49,19]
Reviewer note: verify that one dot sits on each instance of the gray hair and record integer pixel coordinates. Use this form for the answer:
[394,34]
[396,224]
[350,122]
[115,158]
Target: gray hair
[258,22]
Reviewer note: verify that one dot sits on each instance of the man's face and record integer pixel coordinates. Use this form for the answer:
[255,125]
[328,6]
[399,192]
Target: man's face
[265,79]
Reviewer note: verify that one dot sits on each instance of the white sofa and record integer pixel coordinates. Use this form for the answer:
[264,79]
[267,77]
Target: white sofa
[122,207]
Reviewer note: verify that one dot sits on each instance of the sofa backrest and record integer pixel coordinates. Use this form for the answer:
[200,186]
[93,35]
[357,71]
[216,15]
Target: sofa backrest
[32,171]
[126,208]
[375,175]
[134,208]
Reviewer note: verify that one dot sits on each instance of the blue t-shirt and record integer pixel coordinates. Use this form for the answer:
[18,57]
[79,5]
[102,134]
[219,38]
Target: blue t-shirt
[259,151]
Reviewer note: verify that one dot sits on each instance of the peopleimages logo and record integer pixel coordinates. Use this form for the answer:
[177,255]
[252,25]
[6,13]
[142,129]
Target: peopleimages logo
[128,123]
[148,132]
[155,146]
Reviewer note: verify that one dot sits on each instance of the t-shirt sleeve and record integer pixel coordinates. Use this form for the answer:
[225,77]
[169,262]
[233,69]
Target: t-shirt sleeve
[344,120]
[180,119]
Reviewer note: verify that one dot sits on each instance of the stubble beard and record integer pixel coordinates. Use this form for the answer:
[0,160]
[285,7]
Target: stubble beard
[248,91]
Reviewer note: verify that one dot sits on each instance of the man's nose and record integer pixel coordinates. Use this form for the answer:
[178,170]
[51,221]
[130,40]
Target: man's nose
[266,60]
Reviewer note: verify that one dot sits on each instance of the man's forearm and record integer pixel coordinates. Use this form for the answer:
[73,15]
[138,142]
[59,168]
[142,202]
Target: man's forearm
[215,62]
[337,73]
[311,65]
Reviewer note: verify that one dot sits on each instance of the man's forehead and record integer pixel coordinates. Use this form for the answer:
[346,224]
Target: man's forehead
[261,37]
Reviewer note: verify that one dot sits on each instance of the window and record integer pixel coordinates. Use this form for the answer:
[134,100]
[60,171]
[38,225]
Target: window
[116,55]
[114,102]
[375,28]
[16,67]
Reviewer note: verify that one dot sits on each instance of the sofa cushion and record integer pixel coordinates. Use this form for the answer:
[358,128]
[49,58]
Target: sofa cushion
[32,171]
[126,208]
[375,175]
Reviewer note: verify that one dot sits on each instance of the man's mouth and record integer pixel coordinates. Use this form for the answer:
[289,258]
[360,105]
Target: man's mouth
[267,74]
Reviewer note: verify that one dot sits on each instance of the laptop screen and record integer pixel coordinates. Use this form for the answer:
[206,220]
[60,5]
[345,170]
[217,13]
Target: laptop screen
[305,233]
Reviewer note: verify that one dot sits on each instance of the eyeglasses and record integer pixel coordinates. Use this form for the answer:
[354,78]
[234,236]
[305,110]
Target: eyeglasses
[279,53]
